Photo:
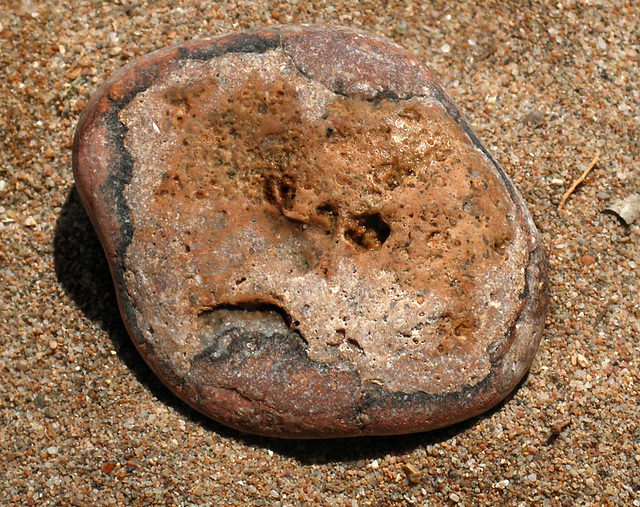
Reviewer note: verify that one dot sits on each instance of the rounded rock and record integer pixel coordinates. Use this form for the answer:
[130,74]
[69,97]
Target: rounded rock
[306,238]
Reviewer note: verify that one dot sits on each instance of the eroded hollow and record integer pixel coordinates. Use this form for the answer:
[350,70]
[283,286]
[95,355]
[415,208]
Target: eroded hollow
[216,326]
[323,207]
[368,231]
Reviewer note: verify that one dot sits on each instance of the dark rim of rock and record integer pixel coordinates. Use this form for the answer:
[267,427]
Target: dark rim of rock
[306,238]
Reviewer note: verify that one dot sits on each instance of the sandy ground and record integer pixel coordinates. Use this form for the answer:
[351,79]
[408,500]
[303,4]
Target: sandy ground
[83,421]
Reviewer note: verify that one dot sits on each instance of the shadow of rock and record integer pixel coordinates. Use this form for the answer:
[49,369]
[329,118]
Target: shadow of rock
[352,450]
[81,266]
[83,273]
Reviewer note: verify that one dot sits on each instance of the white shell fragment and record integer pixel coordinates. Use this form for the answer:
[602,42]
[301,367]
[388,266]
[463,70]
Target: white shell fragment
[628,209]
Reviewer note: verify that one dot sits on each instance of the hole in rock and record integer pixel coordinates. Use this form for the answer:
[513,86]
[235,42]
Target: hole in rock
[368,231]
[355,343]
[280,190]
[264,317]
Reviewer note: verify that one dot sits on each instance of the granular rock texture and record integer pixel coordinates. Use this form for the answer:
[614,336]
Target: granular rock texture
[306,238]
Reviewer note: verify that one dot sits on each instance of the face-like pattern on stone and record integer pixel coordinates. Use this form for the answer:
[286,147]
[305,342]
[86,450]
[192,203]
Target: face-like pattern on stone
[306,237]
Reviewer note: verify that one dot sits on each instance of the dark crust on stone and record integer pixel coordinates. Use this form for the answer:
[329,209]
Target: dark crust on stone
[103,168]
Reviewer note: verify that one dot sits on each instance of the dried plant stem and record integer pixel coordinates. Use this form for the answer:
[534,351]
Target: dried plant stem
[579,180]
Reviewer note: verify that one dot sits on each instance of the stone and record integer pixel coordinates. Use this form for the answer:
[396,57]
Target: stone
[306,237]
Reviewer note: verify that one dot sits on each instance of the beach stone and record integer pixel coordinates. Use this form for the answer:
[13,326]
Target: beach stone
[306,238]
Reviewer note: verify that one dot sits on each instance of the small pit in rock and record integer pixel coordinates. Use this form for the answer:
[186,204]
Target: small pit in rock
[368,231]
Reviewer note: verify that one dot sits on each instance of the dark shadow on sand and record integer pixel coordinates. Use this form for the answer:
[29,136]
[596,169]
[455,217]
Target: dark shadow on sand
[351,450]
[83,273]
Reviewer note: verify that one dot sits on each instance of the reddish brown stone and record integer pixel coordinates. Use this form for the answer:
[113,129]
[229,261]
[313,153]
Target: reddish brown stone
[306,238]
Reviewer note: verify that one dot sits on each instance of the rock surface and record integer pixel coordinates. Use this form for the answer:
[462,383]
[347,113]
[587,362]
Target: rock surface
[306,238]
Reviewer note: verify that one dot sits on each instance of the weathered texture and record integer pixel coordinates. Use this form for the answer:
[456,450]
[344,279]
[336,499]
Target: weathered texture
[306,238]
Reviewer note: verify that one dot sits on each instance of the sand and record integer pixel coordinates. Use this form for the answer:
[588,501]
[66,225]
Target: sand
[83,421]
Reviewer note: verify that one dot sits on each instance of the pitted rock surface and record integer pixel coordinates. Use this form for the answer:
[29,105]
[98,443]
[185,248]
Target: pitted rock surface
[306,238]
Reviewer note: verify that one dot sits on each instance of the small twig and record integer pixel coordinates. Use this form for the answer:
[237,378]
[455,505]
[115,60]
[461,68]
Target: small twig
[578,181]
